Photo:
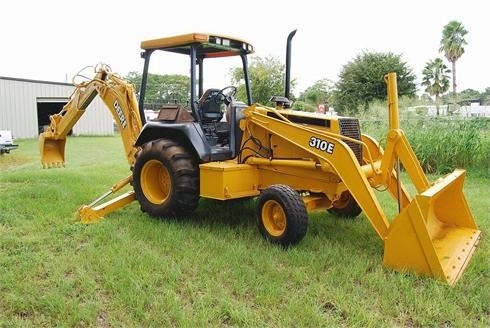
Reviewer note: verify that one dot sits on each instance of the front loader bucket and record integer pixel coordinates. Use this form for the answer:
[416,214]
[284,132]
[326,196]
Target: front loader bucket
[435,234]
[52,151]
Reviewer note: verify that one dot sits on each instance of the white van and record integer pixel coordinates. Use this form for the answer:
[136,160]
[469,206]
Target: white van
[6,142]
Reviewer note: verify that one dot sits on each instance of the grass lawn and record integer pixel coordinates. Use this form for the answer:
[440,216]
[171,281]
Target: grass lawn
[211,269]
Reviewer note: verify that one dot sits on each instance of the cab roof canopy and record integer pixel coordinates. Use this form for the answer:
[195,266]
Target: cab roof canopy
[208,45]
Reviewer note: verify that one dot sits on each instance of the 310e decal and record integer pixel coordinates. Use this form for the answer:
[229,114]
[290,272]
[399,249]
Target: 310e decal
[322,145]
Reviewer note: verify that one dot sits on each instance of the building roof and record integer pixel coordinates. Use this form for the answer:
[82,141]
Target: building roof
[33,81]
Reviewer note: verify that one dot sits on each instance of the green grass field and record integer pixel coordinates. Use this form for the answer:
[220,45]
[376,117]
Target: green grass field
[212,269]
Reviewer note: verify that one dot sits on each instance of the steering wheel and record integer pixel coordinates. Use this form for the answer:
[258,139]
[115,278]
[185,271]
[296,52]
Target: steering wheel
[226,97]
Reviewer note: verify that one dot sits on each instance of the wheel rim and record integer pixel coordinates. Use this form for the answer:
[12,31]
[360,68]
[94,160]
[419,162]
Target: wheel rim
[155,182]
[274,218]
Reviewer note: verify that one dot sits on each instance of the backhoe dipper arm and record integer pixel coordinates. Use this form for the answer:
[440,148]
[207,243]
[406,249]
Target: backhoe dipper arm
[119,97]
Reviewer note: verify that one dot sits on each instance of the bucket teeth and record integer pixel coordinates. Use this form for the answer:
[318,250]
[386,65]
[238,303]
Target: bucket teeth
[49,165]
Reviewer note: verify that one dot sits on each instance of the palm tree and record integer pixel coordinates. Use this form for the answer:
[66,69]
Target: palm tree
[436,79]
[452,43]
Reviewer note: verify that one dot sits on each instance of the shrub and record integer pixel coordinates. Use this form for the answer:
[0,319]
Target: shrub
[440,143]
[443,144]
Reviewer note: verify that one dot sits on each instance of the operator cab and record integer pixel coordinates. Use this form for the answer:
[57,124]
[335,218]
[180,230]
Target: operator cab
[200,49]
[211,135]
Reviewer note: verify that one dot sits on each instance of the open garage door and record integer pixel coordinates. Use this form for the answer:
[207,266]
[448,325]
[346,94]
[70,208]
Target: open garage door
[47,107]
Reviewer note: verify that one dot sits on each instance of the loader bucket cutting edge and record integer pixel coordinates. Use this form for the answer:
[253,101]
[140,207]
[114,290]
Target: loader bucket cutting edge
[435,234]
[52,151]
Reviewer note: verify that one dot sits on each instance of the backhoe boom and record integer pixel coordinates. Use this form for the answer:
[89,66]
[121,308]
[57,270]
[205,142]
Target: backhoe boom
[118,96]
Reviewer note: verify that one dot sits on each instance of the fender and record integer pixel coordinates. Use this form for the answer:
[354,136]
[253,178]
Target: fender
[188,133]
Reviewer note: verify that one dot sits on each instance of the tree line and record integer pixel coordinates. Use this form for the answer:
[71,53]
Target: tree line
[360,81]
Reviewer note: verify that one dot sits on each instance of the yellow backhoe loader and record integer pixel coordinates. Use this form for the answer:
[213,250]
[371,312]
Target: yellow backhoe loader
[293,162]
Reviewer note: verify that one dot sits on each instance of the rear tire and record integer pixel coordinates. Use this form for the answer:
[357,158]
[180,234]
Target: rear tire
[346,206]
[281,215]
[166,179]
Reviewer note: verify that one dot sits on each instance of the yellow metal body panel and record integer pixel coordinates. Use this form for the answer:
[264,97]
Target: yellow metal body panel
[228,180]
[212,45]
[173,41]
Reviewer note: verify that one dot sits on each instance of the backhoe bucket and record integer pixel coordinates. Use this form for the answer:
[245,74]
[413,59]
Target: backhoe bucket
[52,151]
[435,234]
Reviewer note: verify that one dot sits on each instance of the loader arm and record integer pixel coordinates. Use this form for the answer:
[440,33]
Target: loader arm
[330,158]
[119,97]
[434,233]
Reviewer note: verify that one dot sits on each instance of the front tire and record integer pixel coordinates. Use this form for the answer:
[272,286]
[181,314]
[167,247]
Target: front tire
[281,215]
[166,179]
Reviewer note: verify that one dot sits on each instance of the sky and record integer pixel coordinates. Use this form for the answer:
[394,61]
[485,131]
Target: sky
[52,40]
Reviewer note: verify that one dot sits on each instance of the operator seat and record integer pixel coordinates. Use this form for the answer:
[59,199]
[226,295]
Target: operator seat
[210,109]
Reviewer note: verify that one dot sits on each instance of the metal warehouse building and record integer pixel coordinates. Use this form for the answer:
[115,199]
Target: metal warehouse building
[25,106]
